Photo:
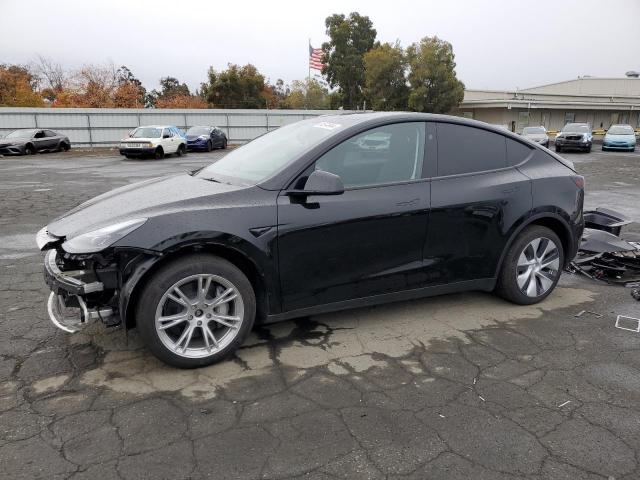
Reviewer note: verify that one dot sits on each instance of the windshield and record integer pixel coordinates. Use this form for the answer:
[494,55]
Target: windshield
[146,132]
[621,130]
[576,128]
[533,131]
[266,155]
[198,131]
[21,134]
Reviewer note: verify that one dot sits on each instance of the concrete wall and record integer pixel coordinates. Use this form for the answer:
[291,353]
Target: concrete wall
[103,126]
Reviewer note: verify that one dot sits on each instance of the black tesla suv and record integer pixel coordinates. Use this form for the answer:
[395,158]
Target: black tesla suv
[311,218]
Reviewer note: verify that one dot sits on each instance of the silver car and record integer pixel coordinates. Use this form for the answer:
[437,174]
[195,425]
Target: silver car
[536,134]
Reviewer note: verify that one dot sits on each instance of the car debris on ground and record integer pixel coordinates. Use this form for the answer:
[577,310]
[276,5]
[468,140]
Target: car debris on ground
[603,254]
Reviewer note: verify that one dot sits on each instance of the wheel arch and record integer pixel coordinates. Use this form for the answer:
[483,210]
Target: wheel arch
[147,268]
[553,221]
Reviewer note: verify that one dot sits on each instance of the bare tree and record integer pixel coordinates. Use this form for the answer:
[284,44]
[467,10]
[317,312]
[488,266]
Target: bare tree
[51,73]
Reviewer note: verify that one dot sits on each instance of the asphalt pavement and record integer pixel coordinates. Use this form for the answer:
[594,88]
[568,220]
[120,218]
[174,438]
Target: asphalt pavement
[463,386]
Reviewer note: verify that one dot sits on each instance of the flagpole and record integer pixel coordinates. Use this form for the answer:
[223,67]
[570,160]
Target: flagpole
[306,97]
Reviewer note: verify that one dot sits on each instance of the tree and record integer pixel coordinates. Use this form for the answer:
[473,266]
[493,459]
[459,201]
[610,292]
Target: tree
[129,92]
[169,87]
[350,38]
[92,86]
[385,82]
[17,87]
[434,85]
[235,87]
[52,76]
[181,101]
[309,94]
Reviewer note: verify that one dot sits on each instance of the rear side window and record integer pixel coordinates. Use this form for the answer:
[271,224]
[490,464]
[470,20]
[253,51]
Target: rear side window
[463,149]
[517,152]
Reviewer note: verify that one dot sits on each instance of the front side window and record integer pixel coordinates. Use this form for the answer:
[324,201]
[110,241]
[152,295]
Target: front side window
[463,149]
[167,132]
[392,153]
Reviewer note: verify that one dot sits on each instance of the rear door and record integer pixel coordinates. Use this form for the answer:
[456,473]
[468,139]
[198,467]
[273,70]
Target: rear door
[367,241]
[52,139]
[477,196]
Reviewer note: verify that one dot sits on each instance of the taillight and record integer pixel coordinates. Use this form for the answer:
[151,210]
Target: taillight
[579,181]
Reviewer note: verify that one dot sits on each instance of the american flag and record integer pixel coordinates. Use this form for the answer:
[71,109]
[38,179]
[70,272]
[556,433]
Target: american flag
[315,58]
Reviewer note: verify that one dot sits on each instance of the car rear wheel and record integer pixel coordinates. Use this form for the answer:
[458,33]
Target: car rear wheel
[196,311]
[532,266]
[158,154]
[64,147]
[224,144]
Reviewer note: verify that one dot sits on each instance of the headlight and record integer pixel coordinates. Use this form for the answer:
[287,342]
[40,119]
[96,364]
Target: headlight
[100,239]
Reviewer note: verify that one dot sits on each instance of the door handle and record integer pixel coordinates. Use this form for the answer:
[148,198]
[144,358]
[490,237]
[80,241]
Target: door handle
[408,203]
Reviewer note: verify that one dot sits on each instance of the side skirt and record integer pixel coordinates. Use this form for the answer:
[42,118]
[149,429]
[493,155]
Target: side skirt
[483,284]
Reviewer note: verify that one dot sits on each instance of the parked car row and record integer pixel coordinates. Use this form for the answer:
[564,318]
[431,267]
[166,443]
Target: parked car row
[158,140]
[154,141]
[579,136]
[30,141]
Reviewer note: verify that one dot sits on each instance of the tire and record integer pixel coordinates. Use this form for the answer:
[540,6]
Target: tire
[558,149]
[181,150]
[513,282]
[64,147]
[29,150]
[158,154]
[224,144]
[209,146]
[128,157]
[185,272]
[588,150]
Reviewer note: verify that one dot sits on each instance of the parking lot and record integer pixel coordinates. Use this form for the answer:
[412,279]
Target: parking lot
[463,386]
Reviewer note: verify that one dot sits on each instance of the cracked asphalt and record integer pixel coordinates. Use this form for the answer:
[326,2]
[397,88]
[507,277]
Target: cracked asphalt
[453,387]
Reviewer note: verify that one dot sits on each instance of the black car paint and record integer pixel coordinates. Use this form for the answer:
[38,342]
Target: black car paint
[42,140]
[369,245]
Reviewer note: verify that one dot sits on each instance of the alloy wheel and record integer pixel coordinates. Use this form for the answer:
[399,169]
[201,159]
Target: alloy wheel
[538,267]
[199,315]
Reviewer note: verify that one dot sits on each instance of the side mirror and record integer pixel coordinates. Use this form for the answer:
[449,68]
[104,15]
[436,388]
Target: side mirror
[166,135]
[320,183]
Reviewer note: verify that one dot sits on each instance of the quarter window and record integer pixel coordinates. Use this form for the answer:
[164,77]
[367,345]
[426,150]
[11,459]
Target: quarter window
[463,149]
[392,153]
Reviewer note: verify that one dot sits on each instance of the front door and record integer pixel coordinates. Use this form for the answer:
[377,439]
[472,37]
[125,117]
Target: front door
[368,240]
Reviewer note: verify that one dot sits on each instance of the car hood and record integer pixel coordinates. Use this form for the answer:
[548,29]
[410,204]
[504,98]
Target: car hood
[535,136]
[620,138]
[13,141]
[149,198]
[195,137]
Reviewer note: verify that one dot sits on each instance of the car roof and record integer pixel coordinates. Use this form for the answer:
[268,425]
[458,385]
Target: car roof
[380,118]
[157,126]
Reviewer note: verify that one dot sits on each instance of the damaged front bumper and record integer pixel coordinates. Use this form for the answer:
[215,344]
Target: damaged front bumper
[76,296]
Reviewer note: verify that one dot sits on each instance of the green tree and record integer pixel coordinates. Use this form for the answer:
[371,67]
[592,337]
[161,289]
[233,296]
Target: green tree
[309,94]
[169,87]
[350,38]
[432,76]
[236,87]
[385,82]
[129,91]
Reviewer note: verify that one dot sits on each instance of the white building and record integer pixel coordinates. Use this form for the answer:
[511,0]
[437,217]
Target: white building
[598,101]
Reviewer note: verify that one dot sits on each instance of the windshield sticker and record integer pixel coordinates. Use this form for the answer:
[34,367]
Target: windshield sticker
[327,125]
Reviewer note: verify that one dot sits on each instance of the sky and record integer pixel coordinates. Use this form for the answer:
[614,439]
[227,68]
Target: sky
[498,44]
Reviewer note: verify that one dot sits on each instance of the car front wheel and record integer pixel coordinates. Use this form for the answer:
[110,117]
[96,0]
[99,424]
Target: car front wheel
[532,266]
[196,311]
[158,154]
